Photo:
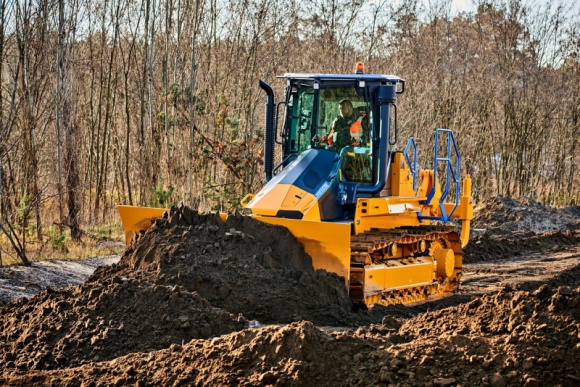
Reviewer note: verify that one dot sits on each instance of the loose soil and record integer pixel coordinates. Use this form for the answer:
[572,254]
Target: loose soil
[504,228]
[243,265]
[195,301]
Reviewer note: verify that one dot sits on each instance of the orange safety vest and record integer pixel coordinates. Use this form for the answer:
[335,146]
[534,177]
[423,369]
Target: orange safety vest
[356,129]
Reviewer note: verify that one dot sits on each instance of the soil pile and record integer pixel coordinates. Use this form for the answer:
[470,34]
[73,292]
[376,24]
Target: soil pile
[101,321]
[504,227]
[243,265]
[188,277]
[512,337]
[502,214]
[174,309]
[509,338]
[296,354]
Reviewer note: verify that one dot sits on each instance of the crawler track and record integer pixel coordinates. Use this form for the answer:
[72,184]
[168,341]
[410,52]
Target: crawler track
[404,265]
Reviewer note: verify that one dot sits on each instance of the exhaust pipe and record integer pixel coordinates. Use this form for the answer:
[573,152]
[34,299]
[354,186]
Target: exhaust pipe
[386,97]
[269,134]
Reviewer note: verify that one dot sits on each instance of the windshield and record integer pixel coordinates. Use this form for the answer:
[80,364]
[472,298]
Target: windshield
[333,118]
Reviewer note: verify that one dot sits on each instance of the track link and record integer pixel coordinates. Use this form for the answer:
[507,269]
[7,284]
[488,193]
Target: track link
[404,265]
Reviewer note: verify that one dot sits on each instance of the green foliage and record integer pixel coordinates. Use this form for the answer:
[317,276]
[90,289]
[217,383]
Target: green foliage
[183,98]
[560,199]
[25,220]
[175,91]
[159,120]
[105,231]
[57,238]
[233,123]
[200,106]
[160,195]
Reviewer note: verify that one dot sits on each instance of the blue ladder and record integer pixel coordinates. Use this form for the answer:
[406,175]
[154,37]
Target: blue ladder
[412,166]
[450,171]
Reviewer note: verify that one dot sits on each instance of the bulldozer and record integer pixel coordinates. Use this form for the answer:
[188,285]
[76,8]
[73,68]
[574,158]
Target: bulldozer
[361,209]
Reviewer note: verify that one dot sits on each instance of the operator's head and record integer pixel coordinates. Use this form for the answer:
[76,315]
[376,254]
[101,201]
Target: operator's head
[346,109]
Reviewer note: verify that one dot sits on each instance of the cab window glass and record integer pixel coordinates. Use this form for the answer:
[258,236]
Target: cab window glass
[345,123]
[342,118]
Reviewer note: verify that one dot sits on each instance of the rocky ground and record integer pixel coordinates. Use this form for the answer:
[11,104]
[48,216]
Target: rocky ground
[195,301]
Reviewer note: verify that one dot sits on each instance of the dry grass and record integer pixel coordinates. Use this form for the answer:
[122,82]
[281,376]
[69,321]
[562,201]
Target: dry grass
[98,240]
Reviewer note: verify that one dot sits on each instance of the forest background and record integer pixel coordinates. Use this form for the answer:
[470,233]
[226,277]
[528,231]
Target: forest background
[156,102]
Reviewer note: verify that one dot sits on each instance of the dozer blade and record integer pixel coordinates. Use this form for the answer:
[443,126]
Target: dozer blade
[136,219]
[327,243]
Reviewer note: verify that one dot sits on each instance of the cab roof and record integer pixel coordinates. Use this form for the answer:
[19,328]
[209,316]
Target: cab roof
[342,77]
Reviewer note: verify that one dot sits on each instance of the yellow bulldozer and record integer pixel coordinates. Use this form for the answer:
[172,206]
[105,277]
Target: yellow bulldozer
[360,207]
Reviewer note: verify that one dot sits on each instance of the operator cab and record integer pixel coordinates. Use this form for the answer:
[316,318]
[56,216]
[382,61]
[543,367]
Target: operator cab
[313,120]
[335,144]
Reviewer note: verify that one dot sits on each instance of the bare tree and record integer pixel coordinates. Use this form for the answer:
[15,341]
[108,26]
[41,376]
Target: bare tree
[158,101]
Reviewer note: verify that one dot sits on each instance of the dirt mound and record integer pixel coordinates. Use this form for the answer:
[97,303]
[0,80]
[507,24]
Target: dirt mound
[297,354]
[501,214]
[105,320]
[488,247]
[190,276]
[243,265]
[567,278]
[512,337]
[504,227]
[171,312]
[509,338]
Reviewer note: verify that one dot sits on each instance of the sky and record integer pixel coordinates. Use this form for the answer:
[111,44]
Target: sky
[462,6]
[469,5]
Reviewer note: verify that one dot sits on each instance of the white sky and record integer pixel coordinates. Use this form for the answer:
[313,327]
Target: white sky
[462,6]
[470,5]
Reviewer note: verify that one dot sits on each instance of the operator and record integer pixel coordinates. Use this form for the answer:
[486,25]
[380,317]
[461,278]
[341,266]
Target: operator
[346,130]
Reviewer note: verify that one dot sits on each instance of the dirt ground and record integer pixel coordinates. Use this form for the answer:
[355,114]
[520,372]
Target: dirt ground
[26,281]
[195,301]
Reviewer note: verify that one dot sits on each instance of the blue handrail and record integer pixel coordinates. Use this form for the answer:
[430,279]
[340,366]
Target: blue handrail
[412,167]
[450,171]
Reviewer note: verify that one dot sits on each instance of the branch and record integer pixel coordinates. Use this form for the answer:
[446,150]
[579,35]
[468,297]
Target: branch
[18,249]
[211,144]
